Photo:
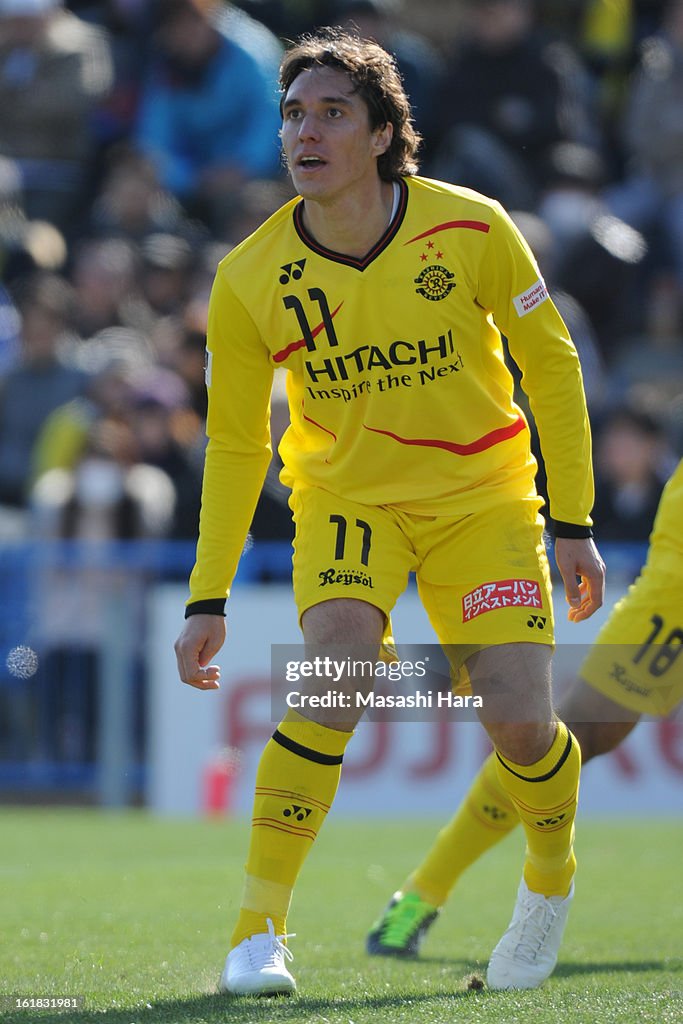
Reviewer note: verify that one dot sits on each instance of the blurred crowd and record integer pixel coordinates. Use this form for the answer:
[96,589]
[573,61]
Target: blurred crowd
[138,145]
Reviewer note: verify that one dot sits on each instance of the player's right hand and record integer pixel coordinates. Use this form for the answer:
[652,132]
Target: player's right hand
[200,640]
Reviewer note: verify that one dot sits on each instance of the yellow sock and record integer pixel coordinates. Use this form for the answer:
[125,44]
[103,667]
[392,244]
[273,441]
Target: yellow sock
[545,795]
[485,816]
[296,782]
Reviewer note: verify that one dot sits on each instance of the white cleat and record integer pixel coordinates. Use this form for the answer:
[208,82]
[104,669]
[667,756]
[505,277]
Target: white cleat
[527,953]
[257,966]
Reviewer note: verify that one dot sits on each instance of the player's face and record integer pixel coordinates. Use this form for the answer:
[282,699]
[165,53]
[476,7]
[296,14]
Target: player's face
[326,136]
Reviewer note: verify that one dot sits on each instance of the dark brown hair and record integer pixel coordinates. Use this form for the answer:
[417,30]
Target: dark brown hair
[377,81]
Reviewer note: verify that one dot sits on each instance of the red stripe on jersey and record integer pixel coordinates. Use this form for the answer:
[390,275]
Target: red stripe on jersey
[473,448]
[279,357]
[474,225]
[319,425]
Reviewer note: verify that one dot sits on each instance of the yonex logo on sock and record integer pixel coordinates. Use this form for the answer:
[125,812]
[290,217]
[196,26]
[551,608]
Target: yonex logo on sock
[494,812]
[297,811]
[545,822]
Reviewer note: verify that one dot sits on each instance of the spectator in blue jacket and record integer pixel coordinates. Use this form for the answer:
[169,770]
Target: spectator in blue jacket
[209,113]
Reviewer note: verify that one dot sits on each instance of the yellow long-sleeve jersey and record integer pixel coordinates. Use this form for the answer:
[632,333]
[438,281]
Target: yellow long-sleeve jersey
[666,543]
[397,385]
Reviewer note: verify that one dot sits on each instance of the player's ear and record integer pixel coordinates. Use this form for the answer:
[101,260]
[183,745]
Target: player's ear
[382,138]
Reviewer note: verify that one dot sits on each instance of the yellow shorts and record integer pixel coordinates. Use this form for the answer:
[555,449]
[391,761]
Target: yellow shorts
[637,657]
[483,579]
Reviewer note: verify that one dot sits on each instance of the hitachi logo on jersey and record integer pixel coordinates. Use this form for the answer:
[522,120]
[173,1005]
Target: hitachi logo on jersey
[532,297]
[373,357]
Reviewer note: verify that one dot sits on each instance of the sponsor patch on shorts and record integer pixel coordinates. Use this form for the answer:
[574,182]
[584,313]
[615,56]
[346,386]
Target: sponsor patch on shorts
[532,297]
[488,597]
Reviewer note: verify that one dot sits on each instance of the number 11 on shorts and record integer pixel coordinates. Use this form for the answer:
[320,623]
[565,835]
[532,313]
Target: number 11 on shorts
[340,542]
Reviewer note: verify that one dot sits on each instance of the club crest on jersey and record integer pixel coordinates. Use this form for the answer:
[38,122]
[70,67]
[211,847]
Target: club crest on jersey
[434,282]
[292,271]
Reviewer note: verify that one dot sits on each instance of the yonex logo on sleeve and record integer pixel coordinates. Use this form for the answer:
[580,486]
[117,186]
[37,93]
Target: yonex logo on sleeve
[207,368]
[532,297]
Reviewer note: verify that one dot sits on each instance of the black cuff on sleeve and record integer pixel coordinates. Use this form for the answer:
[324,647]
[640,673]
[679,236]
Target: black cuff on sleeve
[572,531]
[215,606]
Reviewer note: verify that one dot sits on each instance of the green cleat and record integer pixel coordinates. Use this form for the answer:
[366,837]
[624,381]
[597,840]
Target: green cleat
[402,927]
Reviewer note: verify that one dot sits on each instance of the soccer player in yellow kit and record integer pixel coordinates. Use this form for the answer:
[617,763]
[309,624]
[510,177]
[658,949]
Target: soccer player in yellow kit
[634,668]
[384,295]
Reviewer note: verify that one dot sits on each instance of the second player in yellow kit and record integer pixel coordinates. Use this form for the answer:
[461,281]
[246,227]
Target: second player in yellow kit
[637,658]
[635,667]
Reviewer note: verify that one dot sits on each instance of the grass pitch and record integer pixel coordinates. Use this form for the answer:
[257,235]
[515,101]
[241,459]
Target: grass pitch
[133,914]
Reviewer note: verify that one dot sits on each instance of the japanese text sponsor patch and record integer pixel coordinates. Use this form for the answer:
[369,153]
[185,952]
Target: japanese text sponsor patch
[488,597]
[527,301]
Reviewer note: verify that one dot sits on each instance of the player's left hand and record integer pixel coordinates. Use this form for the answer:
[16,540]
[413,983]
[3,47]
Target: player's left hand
[583,574]
[201,638]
